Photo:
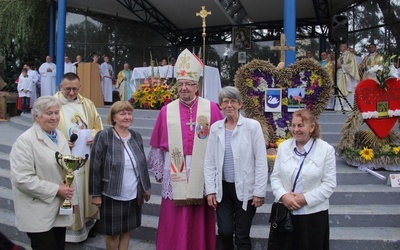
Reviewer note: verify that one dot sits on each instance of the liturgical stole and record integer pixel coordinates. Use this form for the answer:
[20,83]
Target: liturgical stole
[188,192]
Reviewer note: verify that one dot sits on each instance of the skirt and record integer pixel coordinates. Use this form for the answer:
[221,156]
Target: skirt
[118,217]
[310,232]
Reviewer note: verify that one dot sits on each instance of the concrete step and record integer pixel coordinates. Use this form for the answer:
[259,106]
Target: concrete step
[335,127]
[345,175]
[8,228]
[332,117]
[348,238]
[365,238]
[340,215]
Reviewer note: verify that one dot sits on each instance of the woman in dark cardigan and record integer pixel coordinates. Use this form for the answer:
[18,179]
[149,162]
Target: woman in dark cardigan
[118,176]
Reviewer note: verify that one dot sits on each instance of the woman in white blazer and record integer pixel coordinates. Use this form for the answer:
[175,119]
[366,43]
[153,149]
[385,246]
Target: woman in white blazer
[309,202]
[235,171]
[37,179]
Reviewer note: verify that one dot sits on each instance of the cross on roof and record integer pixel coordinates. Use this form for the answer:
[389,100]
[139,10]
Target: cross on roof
[282,47]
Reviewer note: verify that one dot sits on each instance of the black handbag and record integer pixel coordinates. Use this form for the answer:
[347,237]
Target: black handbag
[281,217]
[281,220]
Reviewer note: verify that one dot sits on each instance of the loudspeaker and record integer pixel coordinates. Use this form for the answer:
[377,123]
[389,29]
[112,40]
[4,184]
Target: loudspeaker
[338,29]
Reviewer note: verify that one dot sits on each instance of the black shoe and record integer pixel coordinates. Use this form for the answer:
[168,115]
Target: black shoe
[93,231]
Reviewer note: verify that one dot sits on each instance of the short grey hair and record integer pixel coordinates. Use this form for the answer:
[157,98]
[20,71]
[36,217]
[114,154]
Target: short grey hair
[230,93]
[42,104]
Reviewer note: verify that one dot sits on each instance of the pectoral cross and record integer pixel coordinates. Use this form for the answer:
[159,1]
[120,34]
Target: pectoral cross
[190,123]
[282,47]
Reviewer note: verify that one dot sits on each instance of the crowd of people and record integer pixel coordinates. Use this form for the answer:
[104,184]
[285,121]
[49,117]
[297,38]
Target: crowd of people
[209,158]
[350,69]
[42,82]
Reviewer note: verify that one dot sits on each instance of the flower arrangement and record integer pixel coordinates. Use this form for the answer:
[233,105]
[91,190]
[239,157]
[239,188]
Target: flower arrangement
[384,70]
[154,93]
[255,77]
[374,156]
[360,147]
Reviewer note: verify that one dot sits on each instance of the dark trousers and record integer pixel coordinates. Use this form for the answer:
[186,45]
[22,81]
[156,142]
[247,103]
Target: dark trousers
[310,232]
[54,239]
[25,104]
[232,219]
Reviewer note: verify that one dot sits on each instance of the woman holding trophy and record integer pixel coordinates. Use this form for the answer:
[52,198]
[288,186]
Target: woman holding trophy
[118,177]
[38,180]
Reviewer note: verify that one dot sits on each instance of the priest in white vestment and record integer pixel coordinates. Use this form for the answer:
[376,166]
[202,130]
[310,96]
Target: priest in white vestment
[68,66]
[176,157]
[78,113]
[106,72]
[47,77]
[372,59]
[124,84]
[347,76]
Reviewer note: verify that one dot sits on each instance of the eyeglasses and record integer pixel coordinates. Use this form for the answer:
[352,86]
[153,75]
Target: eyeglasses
[187,84]
[68,89]
[230,101]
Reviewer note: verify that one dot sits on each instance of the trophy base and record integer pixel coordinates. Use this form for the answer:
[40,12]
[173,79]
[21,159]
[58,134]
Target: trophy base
[66,211]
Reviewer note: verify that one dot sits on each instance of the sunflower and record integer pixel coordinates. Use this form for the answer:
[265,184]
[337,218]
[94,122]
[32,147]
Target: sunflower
[367,153]
[146,90]
[396,150]
[149,97]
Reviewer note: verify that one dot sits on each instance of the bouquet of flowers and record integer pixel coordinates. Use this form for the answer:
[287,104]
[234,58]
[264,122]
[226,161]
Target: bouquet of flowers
[384,70]
[154,93]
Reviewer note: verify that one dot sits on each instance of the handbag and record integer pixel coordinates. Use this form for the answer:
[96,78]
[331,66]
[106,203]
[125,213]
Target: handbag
[140,190]
[281,217]
[281,220]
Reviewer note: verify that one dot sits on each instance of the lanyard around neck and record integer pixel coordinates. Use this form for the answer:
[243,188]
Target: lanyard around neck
[301,165]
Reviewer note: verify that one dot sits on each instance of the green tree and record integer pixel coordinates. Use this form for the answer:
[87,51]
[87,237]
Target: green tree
[24,34]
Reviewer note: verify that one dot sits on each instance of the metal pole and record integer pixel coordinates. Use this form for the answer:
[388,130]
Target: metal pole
[289,28]
[62,13]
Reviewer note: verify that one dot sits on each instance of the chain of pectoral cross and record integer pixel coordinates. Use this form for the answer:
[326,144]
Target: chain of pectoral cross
[190,123]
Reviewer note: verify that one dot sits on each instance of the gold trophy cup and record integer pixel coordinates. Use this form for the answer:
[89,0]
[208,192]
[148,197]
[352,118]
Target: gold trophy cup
[69,163]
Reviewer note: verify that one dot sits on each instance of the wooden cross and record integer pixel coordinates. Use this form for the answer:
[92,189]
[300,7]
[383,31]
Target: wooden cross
[282,48]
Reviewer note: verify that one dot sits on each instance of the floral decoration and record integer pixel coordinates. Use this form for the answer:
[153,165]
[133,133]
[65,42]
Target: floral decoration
[255,77]
[384,70]
[367,153]
[360,147]
[373,156]
[154,93]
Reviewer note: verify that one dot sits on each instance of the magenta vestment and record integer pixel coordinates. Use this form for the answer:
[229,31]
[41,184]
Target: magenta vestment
[180,227]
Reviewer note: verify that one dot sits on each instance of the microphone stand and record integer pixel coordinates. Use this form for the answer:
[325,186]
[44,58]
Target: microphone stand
[90,55]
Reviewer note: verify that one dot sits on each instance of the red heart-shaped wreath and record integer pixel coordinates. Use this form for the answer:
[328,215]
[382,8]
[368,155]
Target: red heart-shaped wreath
[369,95]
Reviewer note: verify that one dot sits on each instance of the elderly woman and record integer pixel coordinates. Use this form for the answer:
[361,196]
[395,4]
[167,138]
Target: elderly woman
[37,179]
[235,171]
[309,165]
[118,175]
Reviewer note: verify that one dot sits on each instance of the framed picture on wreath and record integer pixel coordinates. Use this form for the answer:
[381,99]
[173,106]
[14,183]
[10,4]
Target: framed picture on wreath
[241,38]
